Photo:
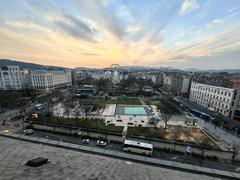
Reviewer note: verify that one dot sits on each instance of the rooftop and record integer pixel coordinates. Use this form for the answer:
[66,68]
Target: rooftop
[69,164]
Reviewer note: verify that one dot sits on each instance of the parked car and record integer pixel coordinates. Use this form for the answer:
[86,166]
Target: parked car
[28,131]
[86,141]
[7,131]
[101,143]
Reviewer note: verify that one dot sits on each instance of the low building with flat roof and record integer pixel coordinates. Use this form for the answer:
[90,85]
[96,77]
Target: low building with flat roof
[127,115]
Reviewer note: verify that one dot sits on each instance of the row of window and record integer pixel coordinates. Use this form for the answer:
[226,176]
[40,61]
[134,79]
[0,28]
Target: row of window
[207,103]
[209,97]
[212,90]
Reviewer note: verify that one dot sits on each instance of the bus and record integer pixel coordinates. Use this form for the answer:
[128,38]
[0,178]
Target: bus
[200,114]
[138,147]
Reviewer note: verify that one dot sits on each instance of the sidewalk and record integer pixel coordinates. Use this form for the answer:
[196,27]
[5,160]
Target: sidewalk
[224,136]
[130,157]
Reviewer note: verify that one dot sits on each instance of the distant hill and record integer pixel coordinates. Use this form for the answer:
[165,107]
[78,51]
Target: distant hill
[33,66]
[230,71]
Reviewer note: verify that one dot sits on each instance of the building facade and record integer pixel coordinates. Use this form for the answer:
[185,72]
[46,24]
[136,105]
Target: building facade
[43,80]
[12,78]
[215,98]
[176,84]
[236,106]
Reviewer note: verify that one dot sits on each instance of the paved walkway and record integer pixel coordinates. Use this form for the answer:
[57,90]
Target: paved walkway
[224,136]
[120,155]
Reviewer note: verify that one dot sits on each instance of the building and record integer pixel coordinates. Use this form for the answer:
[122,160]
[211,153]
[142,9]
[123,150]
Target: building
[176,84]
[127,115]
[157,79]
[167,82]
[86,90]
[236,106]
[215,98]
[44,80]
[234,81]
[13,78]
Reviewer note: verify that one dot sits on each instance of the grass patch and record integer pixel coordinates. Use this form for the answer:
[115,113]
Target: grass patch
[130,101]
[81,122]
[18,117]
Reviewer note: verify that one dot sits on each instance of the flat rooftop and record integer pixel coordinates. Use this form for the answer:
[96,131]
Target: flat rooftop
[69,164]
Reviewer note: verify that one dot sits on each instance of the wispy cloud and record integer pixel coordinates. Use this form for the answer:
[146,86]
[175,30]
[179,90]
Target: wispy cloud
[76,27]
[188,6]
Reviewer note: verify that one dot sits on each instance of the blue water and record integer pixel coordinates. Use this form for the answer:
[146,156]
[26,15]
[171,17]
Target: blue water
[134,111]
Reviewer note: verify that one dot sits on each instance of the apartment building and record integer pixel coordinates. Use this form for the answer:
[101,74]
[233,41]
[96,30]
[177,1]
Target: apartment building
[177,84]
[215,98]
[12,78]
[157,79]
[44,80]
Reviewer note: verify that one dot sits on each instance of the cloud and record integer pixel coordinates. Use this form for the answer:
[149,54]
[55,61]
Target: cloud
[233,9]
[188,6]
[96,11]
[222,42]
[217,21]
[90,54]
[214,22]
[135,28]
[77,27]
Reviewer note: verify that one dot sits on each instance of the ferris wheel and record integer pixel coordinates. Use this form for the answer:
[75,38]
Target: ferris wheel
[116,73]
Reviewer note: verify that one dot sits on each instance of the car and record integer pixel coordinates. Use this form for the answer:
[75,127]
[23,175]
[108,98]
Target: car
[7,131]
[28,131]
[86,141]
[101,143]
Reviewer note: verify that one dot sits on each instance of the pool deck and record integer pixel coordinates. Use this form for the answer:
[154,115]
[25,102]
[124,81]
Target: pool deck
[109,110]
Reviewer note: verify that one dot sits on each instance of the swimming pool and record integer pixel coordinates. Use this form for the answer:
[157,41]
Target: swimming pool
[131,110]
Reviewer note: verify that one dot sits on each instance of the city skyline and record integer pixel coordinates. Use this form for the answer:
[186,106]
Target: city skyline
[181,34]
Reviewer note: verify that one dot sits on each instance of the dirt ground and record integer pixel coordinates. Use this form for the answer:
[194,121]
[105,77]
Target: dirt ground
[185,134]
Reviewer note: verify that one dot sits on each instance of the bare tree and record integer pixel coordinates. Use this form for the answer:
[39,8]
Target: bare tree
[165,118]
[77,113]
[67,111]
[203,144]
[175,136]
[236,150]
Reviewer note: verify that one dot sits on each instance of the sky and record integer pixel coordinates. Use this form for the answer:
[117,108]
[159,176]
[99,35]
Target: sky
[203,34]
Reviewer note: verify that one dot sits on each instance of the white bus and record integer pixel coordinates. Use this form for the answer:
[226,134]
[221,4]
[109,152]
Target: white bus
[138,147]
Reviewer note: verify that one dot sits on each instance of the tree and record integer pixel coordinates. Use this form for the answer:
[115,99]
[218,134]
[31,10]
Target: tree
[77,113]
[203,144]
[236,150]
[165,118]
[177,131]
[67,111]
[103,83]
[127,83]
